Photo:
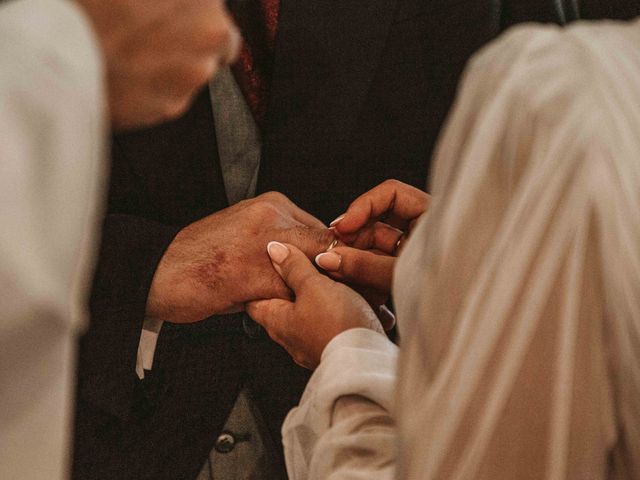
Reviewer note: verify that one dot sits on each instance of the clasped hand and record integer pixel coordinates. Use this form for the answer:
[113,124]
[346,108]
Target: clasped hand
[372,230]
[220,265]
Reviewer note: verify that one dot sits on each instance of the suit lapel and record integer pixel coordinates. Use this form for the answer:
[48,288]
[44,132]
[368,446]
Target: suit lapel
[326,56]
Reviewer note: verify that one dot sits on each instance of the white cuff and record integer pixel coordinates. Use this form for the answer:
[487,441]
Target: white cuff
[147,345]
[358,338]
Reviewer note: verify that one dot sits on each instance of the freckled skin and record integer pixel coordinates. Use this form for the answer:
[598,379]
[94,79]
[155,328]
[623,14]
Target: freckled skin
[209,272]
[219,263]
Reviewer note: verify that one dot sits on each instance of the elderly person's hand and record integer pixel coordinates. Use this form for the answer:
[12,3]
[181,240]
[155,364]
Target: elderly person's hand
[321,309]
[158,54]
[374,228]
[217,264]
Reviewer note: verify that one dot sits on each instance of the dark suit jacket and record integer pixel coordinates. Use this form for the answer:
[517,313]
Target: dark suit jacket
[359,93]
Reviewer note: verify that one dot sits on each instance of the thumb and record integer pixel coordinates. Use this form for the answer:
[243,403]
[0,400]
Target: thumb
[361,267]
[271,314]
[294,267]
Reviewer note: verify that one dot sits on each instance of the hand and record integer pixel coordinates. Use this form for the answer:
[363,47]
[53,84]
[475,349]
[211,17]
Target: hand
[158,54]
[374,227]
[218,263]
[321,310]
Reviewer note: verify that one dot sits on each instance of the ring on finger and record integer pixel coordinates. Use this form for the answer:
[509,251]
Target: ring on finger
[399,243]
[333,244]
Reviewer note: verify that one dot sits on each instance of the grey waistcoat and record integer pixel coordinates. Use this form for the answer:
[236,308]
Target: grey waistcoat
[242,451]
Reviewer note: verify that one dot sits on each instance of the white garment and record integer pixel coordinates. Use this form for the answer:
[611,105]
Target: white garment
[519,292]
[51,169]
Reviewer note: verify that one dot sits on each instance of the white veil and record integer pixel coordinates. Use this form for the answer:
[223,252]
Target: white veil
[520,331]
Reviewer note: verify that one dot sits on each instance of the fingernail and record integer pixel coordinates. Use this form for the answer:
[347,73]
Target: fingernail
[337,220]
[277,251]
[329,261]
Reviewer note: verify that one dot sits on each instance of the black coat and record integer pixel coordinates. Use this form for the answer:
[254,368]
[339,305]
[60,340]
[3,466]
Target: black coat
[360,91]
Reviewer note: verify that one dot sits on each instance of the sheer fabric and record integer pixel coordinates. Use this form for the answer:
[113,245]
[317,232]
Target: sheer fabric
[518,294]
[521,325]
[52,136]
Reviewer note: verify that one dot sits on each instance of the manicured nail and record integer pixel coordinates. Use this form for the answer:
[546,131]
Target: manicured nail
[337,220]
[329,261]
[277,251]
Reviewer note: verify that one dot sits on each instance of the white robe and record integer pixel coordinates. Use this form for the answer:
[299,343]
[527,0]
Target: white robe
[518,294]
[52,134]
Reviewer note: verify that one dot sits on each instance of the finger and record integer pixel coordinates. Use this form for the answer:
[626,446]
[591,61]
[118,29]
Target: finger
[306,218]
[272,314]
[377,236]
[358,266]
[398,202]
[294,267]
[311,241]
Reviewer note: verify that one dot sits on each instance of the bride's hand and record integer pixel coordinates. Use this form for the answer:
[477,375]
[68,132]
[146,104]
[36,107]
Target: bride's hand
[321,310]
[374,227]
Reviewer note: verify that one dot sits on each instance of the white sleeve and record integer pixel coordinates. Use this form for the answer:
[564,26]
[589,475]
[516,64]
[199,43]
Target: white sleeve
[343,428]
[520,339]
[52,133]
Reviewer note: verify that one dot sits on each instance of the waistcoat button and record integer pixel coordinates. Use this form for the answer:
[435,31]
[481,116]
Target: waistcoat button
[225,442]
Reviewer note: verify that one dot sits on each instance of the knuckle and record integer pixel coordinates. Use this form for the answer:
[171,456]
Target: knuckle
[263,209]
[274,197]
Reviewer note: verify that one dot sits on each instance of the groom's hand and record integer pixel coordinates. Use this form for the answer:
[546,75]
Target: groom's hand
[219,263]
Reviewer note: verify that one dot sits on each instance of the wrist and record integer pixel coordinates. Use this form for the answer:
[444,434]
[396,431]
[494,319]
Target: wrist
[174,299]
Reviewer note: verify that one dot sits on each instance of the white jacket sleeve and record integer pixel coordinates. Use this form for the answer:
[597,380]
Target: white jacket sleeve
[51,154]
[343,428]
[52,134]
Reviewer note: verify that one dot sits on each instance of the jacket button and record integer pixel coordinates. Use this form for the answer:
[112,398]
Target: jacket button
[225,442]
